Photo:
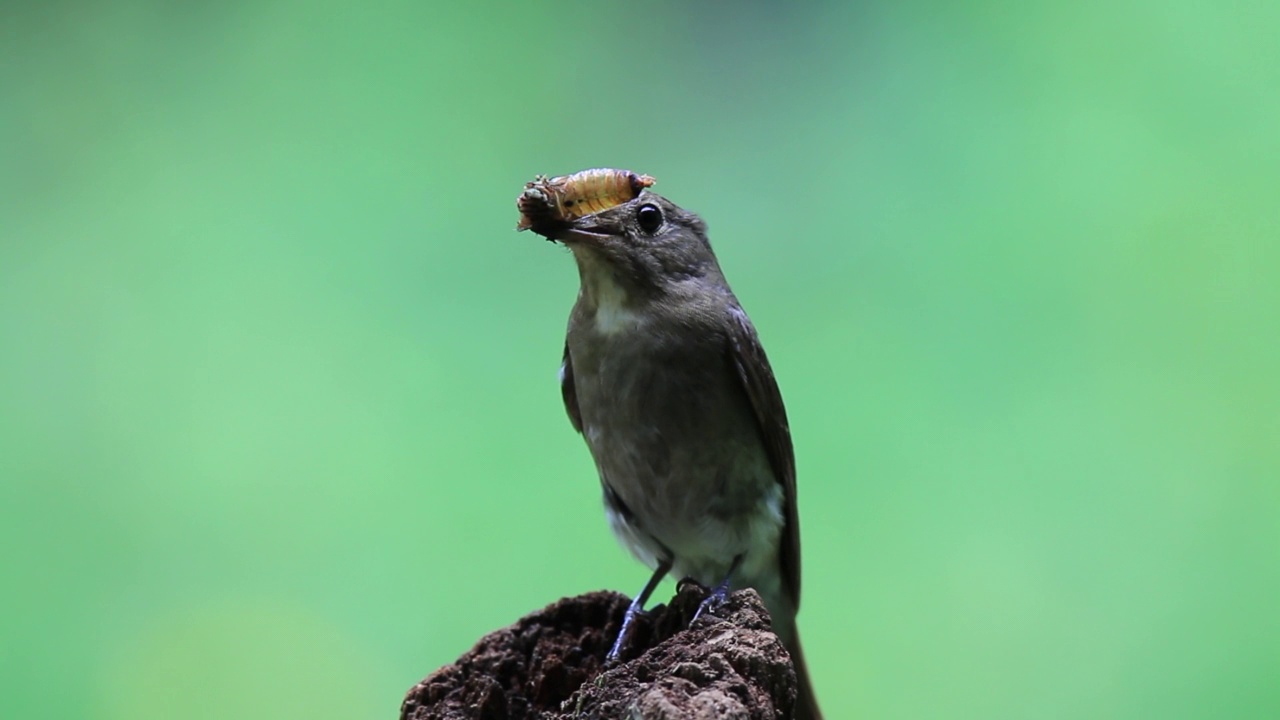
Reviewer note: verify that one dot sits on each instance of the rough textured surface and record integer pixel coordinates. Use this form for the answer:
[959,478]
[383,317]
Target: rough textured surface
[548,665]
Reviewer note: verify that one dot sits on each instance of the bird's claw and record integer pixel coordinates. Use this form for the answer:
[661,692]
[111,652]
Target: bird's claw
[718,597]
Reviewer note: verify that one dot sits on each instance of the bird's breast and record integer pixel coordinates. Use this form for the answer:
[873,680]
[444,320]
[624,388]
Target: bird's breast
[666,419]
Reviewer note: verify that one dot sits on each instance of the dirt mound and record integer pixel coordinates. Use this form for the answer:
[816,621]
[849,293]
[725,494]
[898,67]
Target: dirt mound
[549,665]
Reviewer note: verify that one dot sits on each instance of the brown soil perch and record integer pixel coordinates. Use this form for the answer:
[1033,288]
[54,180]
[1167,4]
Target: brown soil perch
[548,666]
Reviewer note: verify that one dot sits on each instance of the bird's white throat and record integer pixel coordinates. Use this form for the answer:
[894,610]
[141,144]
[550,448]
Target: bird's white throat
[613,315]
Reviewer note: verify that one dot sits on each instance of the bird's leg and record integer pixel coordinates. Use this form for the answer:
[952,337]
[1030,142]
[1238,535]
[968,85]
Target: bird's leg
[635,608]
[721,591]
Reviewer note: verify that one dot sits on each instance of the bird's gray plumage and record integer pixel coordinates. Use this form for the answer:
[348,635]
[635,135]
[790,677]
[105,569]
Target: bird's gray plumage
[665,377]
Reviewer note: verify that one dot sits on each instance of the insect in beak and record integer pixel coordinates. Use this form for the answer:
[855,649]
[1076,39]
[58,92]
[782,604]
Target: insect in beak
[549,200]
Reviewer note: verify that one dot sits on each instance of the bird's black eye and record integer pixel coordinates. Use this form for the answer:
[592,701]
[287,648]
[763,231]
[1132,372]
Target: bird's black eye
[649,217]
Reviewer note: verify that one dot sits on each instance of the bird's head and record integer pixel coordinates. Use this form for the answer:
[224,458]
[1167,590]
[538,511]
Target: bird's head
[644,247]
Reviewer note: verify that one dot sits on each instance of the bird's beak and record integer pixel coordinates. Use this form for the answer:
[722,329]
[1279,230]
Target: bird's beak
[588,230]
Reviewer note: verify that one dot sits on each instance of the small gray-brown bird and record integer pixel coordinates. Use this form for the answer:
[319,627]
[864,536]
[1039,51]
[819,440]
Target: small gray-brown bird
[665,378]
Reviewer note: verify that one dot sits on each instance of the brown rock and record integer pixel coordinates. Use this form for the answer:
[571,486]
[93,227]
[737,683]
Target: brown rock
[548,666]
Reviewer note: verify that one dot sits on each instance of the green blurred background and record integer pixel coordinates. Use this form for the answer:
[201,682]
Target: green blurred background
[279,425]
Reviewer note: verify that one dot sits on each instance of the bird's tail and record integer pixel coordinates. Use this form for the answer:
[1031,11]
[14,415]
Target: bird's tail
[806,701]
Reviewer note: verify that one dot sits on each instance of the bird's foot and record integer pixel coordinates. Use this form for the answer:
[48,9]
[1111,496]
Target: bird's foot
[721,592]
[713,601]
[624,636]
[633,610]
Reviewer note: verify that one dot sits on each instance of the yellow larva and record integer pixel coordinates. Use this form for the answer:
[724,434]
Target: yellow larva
[572,196]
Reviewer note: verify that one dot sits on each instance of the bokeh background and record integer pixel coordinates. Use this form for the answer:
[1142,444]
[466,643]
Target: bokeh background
[279,425]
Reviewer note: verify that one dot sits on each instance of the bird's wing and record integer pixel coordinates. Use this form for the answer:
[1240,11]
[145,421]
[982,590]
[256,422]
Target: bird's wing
[748,358]
[569,392]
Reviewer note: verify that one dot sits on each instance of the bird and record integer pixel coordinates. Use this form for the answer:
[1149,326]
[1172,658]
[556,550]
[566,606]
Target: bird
[665,378]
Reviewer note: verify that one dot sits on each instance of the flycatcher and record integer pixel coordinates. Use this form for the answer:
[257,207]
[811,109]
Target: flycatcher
[665,378]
